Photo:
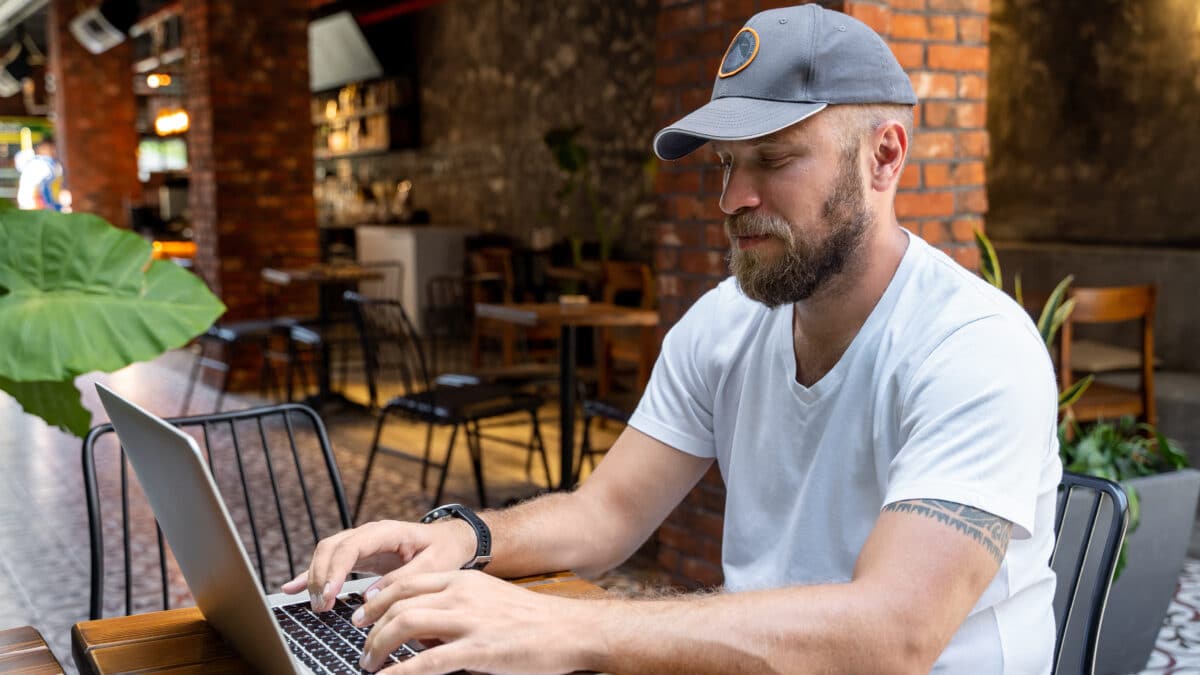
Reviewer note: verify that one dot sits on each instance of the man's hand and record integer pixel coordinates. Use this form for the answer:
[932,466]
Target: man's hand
[480,622]
[383,547]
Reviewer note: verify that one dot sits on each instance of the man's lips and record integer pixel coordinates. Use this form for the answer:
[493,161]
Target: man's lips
[750,241]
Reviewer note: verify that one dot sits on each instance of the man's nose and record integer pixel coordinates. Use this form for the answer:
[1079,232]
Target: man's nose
[739,193]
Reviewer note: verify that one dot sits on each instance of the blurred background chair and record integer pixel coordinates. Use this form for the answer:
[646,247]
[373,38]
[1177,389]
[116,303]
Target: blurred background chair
[1090,521]
[395,360]
[1104,399]
[629,284]
[276,473]
[490,279]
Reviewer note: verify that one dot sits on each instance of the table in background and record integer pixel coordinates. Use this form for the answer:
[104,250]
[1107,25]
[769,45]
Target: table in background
[23,650]
[329,280]
[181,639]
[568,317]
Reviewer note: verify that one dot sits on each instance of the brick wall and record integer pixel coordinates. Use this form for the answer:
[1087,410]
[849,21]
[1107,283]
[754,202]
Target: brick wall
[250,150]
[943,44]
[95,113]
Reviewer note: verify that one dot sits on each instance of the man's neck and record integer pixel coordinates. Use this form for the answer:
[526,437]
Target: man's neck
[824,325]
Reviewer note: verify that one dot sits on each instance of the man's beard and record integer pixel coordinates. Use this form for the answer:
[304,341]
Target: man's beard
[805,265]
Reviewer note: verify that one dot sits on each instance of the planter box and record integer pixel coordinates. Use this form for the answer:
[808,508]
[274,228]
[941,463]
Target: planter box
[1139,599]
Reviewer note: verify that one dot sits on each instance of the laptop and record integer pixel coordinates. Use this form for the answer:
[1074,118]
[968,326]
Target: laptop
[274,633]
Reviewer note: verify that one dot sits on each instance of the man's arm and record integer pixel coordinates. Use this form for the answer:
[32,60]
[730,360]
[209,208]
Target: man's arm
[922,569]
[602,523]
[920,572]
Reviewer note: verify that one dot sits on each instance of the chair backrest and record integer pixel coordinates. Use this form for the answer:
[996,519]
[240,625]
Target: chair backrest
[1114,305]
[1089,528]
[447,324]
[626,281]
[392,349]
[491,274]
[276,473]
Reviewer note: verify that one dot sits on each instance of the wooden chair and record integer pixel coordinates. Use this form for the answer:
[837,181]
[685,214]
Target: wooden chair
[490,279]
[1112,305]
[631,284]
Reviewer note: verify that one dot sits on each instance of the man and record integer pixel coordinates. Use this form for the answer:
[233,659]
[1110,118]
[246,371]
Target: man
[41,178]
[884,422]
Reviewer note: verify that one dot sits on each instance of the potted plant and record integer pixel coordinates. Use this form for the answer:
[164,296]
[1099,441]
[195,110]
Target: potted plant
[1162,495]
[78,295]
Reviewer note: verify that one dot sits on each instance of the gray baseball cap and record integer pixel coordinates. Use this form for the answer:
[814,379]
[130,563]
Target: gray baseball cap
[785,66]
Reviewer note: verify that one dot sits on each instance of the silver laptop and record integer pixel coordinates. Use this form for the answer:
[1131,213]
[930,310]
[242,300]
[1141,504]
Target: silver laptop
[276,633]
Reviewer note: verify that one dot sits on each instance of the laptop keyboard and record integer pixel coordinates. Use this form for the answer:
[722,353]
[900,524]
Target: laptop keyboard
[327,642]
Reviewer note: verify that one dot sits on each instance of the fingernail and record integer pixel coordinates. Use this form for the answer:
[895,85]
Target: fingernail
[365,660]
[325,591]
[357,617]
[318,601]
[371,592]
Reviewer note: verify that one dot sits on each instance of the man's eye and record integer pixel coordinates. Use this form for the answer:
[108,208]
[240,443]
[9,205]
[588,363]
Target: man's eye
[773,160]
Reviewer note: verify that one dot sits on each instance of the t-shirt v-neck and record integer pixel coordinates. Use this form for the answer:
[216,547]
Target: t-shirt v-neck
[785,350]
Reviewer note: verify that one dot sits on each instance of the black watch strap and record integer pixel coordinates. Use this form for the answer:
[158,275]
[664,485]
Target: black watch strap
[483,536]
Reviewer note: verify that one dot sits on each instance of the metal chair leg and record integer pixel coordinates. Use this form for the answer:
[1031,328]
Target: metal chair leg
[437,496]
[536,438]
[585,450]
[195,375]
[475,447]
[362,488]
[425,459]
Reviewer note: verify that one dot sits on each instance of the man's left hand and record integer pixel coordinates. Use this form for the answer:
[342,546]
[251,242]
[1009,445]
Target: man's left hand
[482,624]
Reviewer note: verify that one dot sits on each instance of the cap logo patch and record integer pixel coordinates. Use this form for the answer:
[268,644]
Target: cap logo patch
[741,52]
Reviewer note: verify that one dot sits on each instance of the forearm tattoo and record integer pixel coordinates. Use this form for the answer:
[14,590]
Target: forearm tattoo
[989,531]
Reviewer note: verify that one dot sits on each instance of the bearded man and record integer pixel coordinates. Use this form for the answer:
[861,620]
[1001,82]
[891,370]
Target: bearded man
[884,422]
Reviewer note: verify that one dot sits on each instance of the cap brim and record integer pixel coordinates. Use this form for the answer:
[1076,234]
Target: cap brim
[731,118]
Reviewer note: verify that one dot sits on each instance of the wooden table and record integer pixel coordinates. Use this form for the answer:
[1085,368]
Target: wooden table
[179,639]
[568,318]
[22,650]
[325,277]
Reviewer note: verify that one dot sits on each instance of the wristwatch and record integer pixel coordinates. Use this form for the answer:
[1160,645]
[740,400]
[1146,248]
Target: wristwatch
[483,536]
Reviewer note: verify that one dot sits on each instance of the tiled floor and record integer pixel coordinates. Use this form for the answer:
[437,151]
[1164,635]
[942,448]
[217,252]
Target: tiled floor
[44,551]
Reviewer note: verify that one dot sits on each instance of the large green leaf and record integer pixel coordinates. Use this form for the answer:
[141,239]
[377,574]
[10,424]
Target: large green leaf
[58,403]
[989,263]
[83,296]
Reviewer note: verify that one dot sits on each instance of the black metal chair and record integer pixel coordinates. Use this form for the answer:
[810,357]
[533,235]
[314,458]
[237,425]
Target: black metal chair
[216,345]
[616,407]
[276,473]
[394,356]
[1089,527]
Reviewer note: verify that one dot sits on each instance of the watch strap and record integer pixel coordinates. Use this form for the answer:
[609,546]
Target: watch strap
[483,535]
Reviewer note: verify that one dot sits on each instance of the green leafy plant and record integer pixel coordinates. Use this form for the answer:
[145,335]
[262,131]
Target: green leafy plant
[78,295]
[1119,451]
[580,182]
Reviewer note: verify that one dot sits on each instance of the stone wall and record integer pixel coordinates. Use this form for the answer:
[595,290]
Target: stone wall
[1092,110]
[495,76]
[943,44]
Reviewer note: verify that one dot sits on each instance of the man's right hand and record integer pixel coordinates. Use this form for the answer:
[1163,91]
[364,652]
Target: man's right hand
[383,547]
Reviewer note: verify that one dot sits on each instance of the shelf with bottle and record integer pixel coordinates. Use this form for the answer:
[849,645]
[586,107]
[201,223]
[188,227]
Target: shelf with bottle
[365,118]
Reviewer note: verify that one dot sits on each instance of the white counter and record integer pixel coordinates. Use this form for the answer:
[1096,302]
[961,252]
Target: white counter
[424,251]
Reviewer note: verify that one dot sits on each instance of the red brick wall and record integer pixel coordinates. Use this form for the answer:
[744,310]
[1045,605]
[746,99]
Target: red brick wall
[95,112]
[943,46]
[250,150]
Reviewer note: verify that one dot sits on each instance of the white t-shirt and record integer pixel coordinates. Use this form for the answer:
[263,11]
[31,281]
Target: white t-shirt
[947,392]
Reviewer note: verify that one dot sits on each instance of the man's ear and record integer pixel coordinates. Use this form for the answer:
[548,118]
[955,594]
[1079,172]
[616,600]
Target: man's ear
[889,148]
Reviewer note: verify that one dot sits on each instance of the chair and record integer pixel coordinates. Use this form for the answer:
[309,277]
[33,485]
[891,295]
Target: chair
[216,346]
[491,279]
[276,473]
[392,349]
[1112,305]
[306,337]
[1089,527]
[630,284]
